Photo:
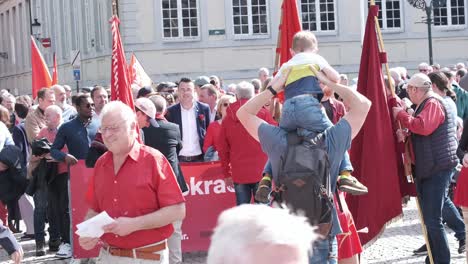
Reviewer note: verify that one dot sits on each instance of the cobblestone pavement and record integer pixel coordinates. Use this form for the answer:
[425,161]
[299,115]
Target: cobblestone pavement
[394,246]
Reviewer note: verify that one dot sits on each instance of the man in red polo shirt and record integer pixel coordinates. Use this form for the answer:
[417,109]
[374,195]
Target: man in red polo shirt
[136,186]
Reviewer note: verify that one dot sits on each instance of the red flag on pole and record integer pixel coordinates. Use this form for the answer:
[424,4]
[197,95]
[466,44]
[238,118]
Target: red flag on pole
[55,72]
[289,25]
[137,74]
[39,70]
[373,152]
[120,85]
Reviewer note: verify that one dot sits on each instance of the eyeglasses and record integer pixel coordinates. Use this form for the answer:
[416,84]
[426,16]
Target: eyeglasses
[226,104]
[89,105]
[423,70]
[111,129]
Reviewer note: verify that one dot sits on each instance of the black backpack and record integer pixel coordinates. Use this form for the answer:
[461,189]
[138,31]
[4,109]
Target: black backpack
[304,180]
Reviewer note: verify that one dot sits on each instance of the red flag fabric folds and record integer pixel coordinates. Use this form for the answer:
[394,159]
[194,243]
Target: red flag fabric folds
[120,85]
[55,72]
[39,70]
[290,25]
[373,152]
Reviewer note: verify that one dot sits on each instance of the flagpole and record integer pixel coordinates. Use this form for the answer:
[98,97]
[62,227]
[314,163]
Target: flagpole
[278,42]
[392,89]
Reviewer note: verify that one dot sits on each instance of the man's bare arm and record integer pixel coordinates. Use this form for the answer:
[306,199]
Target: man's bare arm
[164,216]
[247,114]
[358,104]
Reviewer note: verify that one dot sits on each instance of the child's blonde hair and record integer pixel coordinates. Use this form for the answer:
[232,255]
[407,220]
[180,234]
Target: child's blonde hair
[304,41]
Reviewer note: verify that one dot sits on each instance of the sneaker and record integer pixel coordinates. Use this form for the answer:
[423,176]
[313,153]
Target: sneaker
[351,185]
[65,251]
[25,237]
[54,245]
[40,248]
[461,246]
[263,190]
[421,251]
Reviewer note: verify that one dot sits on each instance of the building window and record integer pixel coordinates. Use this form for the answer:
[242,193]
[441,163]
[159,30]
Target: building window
[250,17]
[318,15]
[450,13]
[389,14]
[180,19]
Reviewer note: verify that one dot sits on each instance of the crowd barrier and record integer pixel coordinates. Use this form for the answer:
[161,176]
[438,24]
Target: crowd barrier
[206,198]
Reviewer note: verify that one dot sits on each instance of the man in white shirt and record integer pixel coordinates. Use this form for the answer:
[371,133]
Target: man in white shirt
[193,119]
[209,95]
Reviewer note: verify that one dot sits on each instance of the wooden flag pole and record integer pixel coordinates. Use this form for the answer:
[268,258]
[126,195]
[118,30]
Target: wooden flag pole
[278,42]
[407,168]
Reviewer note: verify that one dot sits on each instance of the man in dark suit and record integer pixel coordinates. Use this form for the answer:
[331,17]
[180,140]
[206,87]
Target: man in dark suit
[193,119]
[166,138]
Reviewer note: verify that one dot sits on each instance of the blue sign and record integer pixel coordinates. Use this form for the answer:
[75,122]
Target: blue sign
[76,74]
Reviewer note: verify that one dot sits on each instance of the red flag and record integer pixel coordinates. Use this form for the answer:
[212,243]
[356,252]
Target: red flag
[120,86]
[55,72]
[373,152]
[39,70]
[137,74]
[290,25]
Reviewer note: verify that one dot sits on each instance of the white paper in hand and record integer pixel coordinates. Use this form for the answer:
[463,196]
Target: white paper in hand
[93,227]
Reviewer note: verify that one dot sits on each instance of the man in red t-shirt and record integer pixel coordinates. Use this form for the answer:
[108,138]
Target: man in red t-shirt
[136,186]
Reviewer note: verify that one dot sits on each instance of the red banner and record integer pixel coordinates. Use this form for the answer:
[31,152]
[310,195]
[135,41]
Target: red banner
[79,178]
[207,197]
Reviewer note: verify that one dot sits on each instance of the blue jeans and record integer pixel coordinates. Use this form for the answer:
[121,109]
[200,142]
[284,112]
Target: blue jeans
[324,251]
[245,192]
[432,195]
[452,217]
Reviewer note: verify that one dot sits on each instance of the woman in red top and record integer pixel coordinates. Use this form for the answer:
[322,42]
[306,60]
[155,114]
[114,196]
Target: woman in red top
[461,193]
[212,135]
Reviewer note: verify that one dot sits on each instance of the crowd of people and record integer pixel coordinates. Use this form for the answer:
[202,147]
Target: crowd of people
[136,155]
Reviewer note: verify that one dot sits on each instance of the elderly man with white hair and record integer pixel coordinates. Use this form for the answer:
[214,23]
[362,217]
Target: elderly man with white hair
[136,186]
[258,234]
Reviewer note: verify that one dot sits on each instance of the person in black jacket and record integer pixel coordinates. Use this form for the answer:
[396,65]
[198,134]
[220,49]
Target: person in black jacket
[166,138]
[13,180]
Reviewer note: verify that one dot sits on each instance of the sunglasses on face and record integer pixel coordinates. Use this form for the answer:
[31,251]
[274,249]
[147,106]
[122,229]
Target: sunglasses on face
[226,104]
[88,105]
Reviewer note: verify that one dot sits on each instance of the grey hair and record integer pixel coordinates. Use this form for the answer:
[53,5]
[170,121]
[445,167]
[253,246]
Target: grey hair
[263,69]
[57,110]
[57,87]
[240,227]
[159,102]
[245,90]
[423,65]
[67,87]
[126,113]
[9,96]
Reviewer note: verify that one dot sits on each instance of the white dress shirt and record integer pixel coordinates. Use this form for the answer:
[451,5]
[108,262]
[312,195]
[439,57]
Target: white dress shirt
[190,140]
[213,115]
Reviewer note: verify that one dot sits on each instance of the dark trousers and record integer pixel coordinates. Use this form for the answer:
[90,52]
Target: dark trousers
[59,216]
[40,213]
[245,192]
